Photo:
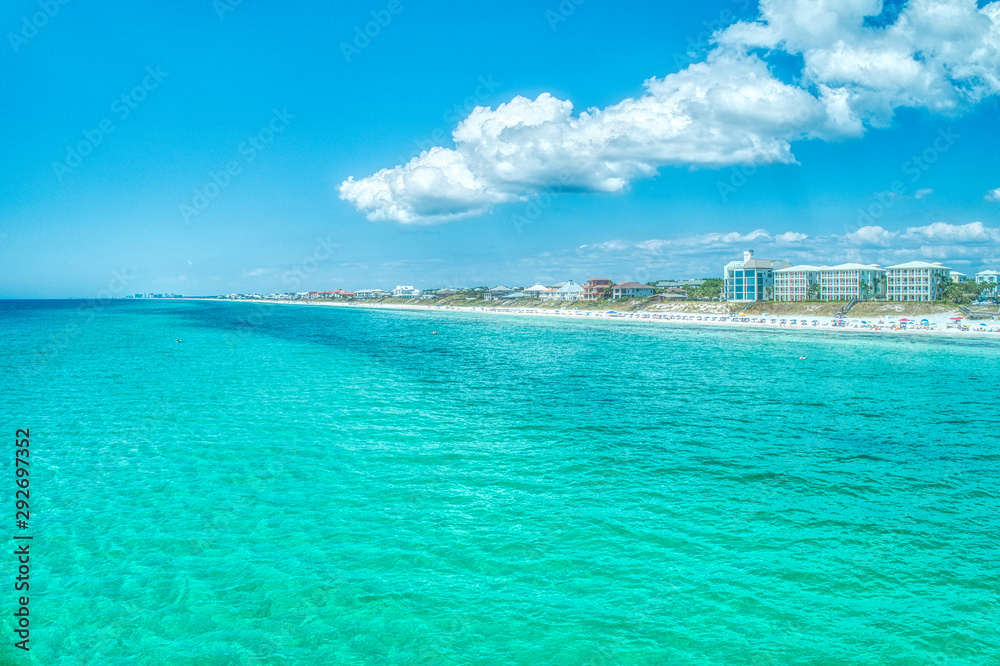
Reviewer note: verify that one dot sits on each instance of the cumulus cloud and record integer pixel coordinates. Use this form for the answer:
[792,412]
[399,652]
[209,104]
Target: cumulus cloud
[874,235]
[942,232]
[941,55]
[732,237]
[790,237]
[957,245]
[993,195]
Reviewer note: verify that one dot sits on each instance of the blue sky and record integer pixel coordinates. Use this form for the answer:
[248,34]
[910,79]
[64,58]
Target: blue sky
[808,159]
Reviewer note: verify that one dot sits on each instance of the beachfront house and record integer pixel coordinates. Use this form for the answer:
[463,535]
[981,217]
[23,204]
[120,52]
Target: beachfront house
[631,290]
[797,283]
[751,279]
[568,291]
[959,277]
[917,281]
[852,282]
[496,293]
[369,293]
[537,291]
[405,291]
[594,287]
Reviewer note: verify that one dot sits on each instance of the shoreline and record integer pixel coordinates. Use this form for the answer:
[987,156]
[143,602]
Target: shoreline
[940,324]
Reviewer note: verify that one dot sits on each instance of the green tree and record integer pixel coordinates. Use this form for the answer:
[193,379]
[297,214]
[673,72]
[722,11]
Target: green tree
[709,289]
[961,293]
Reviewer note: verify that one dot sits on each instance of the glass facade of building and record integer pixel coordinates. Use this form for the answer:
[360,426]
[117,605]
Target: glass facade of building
[752,284]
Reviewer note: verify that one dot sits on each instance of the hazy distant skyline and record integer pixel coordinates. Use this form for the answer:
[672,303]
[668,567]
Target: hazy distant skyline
[204,147]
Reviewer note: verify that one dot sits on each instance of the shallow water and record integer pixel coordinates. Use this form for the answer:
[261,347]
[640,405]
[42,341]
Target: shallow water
[321,485]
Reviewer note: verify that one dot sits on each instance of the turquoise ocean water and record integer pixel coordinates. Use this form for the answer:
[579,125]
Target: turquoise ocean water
[329,486]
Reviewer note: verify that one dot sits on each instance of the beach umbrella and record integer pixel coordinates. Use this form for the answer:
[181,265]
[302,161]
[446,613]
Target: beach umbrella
[905,319]
[956,318]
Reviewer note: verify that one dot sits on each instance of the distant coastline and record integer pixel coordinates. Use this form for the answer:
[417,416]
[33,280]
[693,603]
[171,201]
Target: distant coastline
[708,313]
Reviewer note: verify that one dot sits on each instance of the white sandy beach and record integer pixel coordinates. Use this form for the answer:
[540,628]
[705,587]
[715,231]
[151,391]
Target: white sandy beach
[947,324]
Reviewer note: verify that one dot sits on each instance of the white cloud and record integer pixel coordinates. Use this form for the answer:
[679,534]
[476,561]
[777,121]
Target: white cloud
[942,232]
[874,235]
[966,245]
[941,55]
[732,237]
[993,195]
[790,237]
[923,193]
[437,186]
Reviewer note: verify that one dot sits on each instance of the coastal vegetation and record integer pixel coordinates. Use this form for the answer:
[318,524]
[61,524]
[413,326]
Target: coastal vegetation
[685,296]
[863,309]
[870,309]
[708,290]
[964,293]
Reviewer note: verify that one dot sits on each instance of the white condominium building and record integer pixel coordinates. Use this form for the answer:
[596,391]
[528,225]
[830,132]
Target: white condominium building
[989,277]
[852,282]
[797,283]
[917,281]
[830,283]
